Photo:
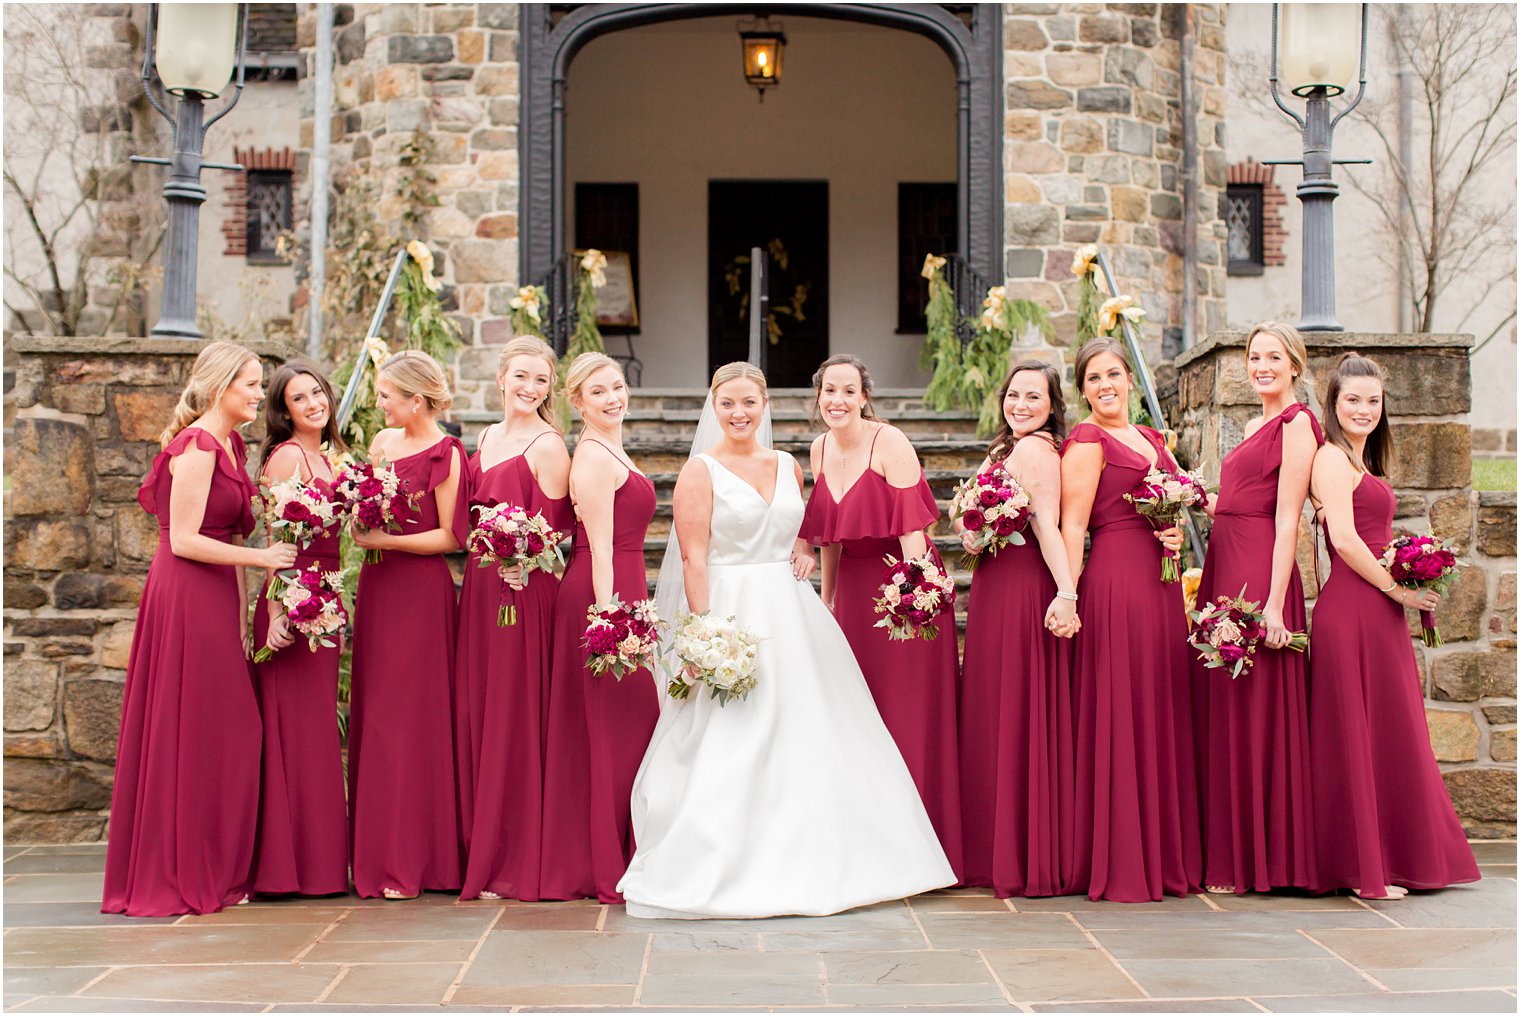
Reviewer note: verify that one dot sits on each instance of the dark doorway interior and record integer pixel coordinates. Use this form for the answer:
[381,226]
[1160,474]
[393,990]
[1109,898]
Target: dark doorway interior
[791,220]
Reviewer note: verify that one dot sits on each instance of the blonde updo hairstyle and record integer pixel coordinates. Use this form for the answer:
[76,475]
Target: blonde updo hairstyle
[215,368]
[739,370]
[1298,354]
[532,345]
[581,368]
[415,374]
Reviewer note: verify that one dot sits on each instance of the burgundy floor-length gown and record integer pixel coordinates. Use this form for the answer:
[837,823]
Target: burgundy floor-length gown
[303,818]
[1252,732]
[1382,814]
[501,694]
[404,821]
[913,681]
[1016,737]
[599,727]
[184,805]
[1135,825]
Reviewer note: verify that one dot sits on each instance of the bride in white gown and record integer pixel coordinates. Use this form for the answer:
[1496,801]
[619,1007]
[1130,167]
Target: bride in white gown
[795,799]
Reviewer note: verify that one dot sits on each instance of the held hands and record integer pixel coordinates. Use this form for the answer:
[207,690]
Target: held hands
[1416,599]
[1061,618]
[1171,538]
[969,542]
[803,563]
[1277,632]
[279,556]
[278,635]
[372,539]
[513,577]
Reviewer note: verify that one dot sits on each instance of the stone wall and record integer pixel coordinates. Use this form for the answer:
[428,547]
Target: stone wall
[82,419]
[1470,681]
[1093,154]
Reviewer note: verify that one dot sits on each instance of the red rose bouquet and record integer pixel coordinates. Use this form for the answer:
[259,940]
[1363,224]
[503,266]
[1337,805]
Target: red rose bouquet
[509,536]
[1228,632]
[995,508]
[299,511]
[377,499]
[1422,562]
[313,601]
[913,594]
[1161,499]
[621,638]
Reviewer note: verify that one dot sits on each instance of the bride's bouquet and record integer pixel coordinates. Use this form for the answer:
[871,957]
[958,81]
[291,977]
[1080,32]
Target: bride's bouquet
[913,594]
[313,601]
[377,498]
[1161,499]
[1421,562]
[621,638]
[715,652]
[508,536]
[1228,632]
[994,507]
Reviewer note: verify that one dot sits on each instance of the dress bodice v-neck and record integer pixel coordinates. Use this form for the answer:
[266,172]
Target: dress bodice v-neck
[746,529]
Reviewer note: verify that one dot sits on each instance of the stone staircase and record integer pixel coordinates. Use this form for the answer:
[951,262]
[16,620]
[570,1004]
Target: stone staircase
[660,421]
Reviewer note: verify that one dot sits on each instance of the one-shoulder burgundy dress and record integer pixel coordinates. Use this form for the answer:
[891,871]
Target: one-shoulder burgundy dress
[501,693]
[1016,753]
[184,805]
[914,681]
[1382,814]
[1253,731]
[404,821]
[303,818]
[599,727]
[1135,824]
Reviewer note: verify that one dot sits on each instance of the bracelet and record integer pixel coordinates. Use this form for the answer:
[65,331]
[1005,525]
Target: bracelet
[1389,588]
[1066,596]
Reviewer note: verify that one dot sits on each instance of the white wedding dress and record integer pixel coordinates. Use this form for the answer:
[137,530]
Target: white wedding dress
[795,799]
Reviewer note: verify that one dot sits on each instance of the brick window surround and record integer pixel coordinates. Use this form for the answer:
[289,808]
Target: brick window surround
[235,222]
[1272,201]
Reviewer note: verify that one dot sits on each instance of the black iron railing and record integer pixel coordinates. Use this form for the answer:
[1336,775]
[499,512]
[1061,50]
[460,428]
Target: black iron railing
[562,289]
[969,288]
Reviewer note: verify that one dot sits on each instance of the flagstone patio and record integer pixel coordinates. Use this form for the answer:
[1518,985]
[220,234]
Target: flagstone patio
[961,951]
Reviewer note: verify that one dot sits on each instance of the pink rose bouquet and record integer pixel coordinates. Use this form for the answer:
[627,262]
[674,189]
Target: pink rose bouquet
[509,536]
[913,595]
[1228,632]
[621,638]
[377,499]
[1161,499]
[313,601]
[1422,562]
[995,508]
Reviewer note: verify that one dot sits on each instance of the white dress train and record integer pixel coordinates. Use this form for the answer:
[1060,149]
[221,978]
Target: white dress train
[794,800]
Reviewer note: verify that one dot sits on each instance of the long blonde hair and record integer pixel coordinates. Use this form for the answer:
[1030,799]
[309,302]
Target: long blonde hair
[1298,354]
[414,373]
[582,367]
[532,345]
[215,368]
[739,370]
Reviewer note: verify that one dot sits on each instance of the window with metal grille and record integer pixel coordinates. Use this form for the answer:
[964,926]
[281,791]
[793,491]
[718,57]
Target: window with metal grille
[269,194]
[926,224]
[1243,219]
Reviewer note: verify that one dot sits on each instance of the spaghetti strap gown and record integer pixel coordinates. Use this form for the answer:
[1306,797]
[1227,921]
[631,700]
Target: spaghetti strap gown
[1016,754]
[1253,731]
[303,822]
[598,727]
[1382,814]
[1135,819]
[912,681]
[404,821]
[184,805]
[501,694]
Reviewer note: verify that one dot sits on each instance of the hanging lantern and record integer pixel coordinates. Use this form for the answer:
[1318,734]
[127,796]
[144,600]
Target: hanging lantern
[763,44]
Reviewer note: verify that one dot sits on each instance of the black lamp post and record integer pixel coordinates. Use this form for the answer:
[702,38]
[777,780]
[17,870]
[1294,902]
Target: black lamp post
[1319,48]
[194,50]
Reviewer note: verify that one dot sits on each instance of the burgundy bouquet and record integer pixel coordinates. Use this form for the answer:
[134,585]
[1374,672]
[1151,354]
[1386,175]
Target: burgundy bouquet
[1161,499]
[621,638]
[508,536]
[913,594]
[313,601]
[994,507]
[1422,562]
[377,499]
[1228,632]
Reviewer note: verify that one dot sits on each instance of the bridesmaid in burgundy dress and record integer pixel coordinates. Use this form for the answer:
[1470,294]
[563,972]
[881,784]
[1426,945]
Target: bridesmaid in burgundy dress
[502,673]
[598,727]
[1135,828]
[870,499]
[184,806]
[1015,723]
[404,818]
[303,824]
[1384,822]
[1253,733]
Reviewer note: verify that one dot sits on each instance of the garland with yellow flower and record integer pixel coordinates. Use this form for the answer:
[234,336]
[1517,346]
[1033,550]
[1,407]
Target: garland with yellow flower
[1102,315]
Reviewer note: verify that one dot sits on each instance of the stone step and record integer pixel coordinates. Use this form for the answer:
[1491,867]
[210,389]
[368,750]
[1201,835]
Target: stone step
[678,424]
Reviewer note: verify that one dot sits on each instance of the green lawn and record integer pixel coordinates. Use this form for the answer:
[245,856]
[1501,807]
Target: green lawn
[1493,474]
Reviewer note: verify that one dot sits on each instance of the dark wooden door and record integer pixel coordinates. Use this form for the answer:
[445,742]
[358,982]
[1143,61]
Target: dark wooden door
[791,220]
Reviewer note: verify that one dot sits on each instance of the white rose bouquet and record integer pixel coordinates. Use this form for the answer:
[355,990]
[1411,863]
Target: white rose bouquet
[715,652]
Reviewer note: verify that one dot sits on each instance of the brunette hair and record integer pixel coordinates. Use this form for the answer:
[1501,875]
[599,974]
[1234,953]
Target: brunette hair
[215,368]
[415,373]
[1378,454]
[1293,344]
[279,427]
[736,371]
[1097,347]
[582,367]
[1055,426]
[867,412]
[532,345]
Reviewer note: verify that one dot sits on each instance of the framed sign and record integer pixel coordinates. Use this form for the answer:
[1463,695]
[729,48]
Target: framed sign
[617,306]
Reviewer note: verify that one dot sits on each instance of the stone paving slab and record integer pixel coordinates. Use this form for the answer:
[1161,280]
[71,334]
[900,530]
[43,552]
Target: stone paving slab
[958,951]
